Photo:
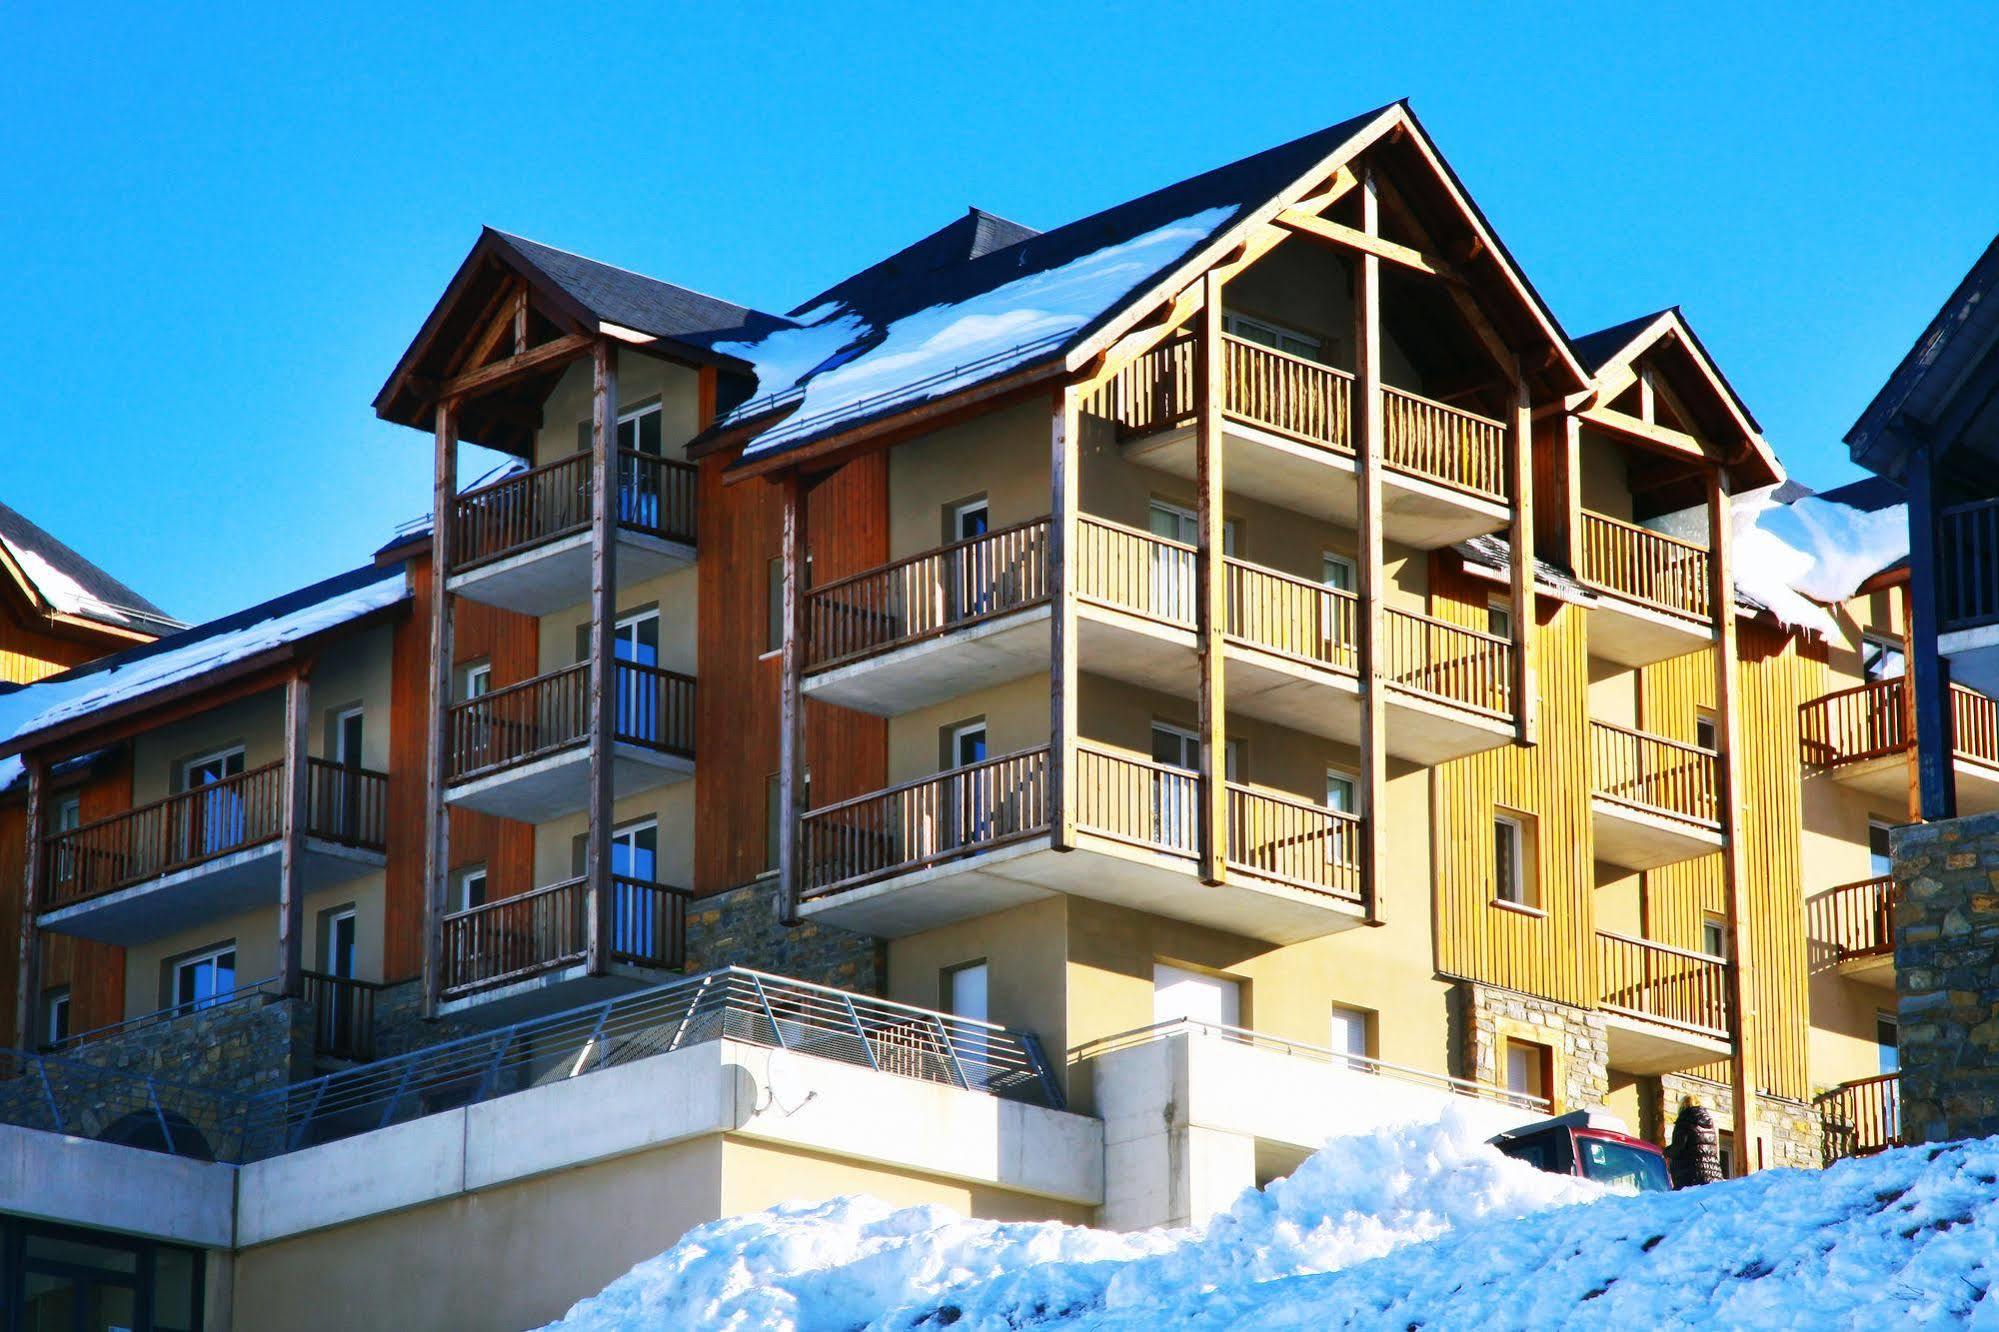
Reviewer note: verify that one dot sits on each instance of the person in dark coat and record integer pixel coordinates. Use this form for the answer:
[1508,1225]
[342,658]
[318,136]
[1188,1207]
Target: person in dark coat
[1694,1155]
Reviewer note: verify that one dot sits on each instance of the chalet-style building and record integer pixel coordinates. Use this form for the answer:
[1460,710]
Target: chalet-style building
[1056,724]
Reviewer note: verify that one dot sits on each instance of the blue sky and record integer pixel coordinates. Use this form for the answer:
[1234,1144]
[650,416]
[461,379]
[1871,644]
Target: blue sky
[220,233]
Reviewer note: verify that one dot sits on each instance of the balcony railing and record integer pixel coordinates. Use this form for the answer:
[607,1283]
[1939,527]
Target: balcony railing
[1870,721]
[653,708]
[1311,404]
[1468,668]
[1968,564]
[343,804]
[515,938]
[1136,801]
[1293,617]
[1655,775]
[926,595]
[1129,570]
[931,821]
[529,509]
[1857,919]
[1663,572]
[1672,986]
[1862,1117]
[1283,839]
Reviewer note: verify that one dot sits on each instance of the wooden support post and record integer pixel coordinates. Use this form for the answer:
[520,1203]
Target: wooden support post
[1928,673]
[1735,851]
[1211,600]
[1367,429]
[1065,487]
[791,702]
[1572,498]
[436,815]
[291,847]
[603,659]
[1520,459]
[27,976]
[1910,721]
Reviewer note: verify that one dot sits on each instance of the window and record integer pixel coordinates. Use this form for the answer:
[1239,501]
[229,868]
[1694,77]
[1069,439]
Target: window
[970,795]
[1176,523]
[1175,581]
[965,744]
[55,1016]
[1706,733]
[639,430]
[468,888]
[204,978]
[1888,1041]
[1349,1034]
[69,1277]
[1881,862]
[1512,863]
[336,947]
[1881,658]
[65,815]
[1724,1142]
[972,583]
[638,920]
[1195,996]
[477,681]
[965,991]
[1528,1068]
[215,820]
[1341,788]
[1176,799]
[1338,572]
[968,519]
[1499,618]
[1266,334]
[1714,936]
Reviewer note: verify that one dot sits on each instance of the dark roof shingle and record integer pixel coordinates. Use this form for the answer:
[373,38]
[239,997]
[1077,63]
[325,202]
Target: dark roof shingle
[104,599]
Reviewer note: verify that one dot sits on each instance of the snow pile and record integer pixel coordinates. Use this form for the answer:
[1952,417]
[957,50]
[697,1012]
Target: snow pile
[837,365]
[1399,1229]
[1800,557]
[68,596]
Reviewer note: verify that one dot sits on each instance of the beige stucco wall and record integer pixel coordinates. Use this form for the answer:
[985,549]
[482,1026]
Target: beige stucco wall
[1606,478]
[641,380]
[1002,455]
[674,595]
[756,1175]
[673,806]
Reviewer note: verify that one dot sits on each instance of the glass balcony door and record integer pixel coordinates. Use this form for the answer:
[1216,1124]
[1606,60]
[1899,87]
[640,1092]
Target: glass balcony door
[215,813]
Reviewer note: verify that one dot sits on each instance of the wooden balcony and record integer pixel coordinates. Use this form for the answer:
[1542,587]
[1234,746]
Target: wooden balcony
[1653,801]
[1655,596]
[1861,738]
[522,752]
[209,853]
[976,840]
[1667,1008]
[523,542]
[519,956]
[1288,440]
[1856,922]
[1862,1117]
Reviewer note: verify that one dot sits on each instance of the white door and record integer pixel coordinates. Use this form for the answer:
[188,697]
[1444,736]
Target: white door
[1195,996]
[972,575]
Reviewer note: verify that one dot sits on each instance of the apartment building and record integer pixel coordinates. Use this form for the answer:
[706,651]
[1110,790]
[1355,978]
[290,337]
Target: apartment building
[1122,703]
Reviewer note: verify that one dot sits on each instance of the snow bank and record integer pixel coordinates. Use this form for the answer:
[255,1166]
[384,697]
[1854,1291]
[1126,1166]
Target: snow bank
[1419,1226]
[1800,557]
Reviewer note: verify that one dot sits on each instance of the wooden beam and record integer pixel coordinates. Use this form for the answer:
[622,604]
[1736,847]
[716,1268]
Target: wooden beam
[1496,345]
[1735,848]
[603,649]
[1520,463]
[501,323]
[291,845]
[521,319]
[1065,491]
[1572,487]
[1927,671]
[1337,187]
[1672,441]
[791,699]
[1211,605]
[1367,433]
[28,965]
[1345,237]
[533,361]
[436,815]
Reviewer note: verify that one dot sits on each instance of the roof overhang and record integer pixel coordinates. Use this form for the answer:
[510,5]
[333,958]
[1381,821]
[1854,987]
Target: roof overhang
[34,611]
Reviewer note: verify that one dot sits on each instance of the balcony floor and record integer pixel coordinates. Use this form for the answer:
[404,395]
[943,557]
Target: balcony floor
[553,991]
[1632,634]
[216,890]
[549,788]
[1099,868]
[1886,780]
[550,577]
[1870,968]
[1321,483]
[1638,840]
[1642,1046]
[978,656]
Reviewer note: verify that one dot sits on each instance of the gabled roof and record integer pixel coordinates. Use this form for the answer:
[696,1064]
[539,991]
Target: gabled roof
[58,582]
[615,295]
[1946,389]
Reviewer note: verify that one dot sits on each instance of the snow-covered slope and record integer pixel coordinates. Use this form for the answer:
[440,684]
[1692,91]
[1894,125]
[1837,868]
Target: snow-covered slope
[1413,1227]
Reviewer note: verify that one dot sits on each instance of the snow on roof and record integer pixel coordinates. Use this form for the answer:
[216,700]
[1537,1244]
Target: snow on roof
[72,585]
[839,366]
[193,653]
[1798,558]
[1901,1239]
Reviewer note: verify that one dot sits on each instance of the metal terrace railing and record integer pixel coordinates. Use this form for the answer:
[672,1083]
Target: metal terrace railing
[1862,1117]
[1654,774]
[546,503]
[49,1092]
[1655,981]
[523,722]
[1359,1063]
[1663,572]
[1857,919]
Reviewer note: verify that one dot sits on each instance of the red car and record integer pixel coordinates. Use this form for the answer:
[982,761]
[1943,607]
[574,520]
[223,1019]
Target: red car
[1570,1145]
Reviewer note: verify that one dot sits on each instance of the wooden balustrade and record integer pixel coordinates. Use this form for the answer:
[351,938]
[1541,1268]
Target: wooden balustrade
[1974,725]
[1857,919]
[1134,571]
[925,822]
[648,923]
[1288,395]
[343,1014]
[1445,444]
[511,938]
[1968,564]
[347,804]
[1654,774]
[1662,571]
[1861,1117]
[652,707]
[546,503]
[1137,801]
[1663,984]
[1292,617]
[1852,725]
[165,836]
[926,595]
[1286,840]
[1154,392]
[1447,662]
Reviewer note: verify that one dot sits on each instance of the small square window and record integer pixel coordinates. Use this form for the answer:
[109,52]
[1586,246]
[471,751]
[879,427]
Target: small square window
[468,888]
[1528,1068]
[1499,618]
[1706,734]
[1714,936]
[1513,879]
[55,1017]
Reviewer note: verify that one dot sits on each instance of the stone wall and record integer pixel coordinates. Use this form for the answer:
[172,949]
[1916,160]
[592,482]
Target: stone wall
[1947,977]
[249,1045]
[1484,1017]
[400,1025]
[740,928]
[1791,1130]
